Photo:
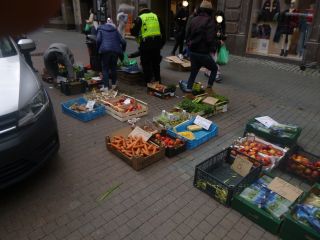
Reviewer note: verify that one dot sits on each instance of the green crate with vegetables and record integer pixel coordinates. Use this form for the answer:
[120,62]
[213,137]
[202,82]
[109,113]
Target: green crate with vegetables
[199,106]
[215,177]
[261,205]
[303,221]
[282,135]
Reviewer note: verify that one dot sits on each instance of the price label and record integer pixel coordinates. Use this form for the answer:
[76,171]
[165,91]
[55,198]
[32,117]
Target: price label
[90,105]
[267,121]
[127,101]
[285,189]
[202,122]
[241,165]
[139,132]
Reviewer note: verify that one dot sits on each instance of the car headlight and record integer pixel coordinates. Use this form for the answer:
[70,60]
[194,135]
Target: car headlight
[31,112]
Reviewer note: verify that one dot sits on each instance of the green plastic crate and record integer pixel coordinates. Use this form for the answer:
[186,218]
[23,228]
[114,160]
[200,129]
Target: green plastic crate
[255,214]
[293,230]
[253,126]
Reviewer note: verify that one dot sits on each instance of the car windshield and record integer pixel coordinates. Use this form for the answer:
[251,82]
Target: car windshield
[6,48]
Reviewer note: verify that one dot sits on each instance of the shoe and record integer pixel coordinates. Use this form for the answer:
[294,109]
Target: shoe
[104,89]
[219,78]
[282,52]
[180,56]
[183,84]
[285,53]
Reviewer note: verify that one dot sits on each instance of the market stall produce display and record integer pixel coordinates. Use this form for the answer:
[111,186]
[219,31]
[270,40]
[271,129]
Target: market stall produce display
[303,221]
[305,165]
[205,105]
[160,90]
[173,146]
[125,107]
[265,153]
[193,139]
[79,109]
[261,205]
[135,151]
[279,134]
[215,177]
[171,119]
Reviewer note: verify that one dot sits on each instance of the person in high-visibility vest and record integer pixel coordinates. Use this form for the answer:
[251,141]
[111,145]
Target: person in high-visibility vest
[149,32]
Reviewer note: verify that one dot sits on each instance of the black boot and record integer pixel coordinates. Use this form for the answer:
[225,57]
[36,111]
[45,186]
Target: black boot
[285,53]
[282,52]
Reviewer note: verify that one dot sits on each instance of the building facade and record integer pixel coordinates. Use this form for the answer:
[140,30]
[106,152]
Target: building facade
[266,27]
[284,30]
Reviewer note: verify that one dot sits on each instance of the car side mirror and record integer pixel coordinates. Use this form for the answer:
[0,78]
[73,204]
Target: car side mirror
[27,45]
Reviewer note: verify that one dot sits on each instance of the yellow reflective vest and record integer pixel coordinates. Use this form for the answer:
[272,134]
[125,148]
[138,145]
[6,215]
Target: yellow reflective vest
[150,25]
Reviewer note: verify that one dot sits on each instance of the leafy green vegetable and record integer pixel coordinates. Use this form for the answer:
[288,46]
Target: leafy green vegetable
[193,107]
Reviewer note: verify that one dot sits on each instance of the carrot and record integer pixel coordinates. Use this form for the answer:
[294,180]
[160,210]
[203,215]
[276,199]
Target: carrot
[154,150]
[138,151]
[150,147]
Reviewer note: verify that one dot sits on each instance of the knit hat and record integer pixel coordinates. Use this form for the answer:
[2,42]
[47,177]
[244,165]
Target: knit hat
[206,4]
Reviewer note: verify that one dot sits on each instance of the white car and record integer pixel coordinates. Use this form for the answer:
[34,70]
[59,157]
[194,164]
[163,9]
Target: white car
[28,128]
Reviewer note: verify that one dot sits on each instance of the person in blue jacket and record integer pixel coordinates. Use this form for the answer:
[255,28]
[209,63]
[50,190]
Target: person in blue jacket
[111,46]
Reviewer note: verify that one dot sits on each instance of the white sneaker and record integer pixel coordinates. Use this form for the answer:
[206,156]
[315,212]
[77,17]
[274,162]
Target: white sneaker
[104,89]
[180,56]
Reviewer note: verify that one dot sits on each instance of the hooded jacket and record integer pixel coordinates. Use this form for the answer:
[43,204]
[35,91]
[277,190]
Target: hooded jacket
[110,40]
[201,36]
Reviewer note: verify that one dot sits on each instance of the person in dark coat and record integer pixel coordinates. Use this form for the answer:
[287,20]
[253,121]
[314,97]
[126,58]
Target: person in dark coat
[111,46]
[150,34]
[201,38]
[180,29]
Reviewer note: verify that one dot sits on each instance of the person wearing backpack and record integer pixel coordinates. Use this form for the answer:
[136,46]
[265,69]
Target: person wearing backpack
[201,38]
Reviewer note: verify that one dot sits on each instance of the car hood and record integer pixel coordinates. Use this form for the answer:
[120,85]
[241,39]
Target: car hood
[18,84]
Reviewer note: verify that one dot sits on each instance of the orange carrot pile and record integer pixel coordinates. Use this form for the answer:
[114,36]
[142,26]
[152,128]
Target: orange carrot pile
[133,146]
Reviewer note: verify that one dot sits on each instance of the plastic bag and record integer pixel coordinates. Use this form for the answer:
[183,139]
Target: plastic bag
[223,55]
[87,28]
[128,62]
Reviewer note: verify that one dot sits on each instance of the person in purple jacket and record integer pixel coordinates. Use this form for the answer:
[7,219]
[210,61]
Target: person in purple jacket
[111,46]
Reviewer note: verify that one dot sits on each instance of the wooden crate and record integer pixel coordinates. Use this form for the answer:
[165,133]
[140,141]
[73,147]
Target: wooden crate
[123,116]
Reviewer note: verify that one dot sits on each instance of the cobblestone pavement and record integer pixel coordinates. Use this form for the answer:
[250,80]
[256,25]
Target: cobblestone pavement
[60,201]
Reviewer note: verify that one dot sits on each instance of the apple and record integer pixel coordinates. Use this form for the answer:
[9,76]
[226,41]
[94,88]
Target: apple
[307,172]
[315,174]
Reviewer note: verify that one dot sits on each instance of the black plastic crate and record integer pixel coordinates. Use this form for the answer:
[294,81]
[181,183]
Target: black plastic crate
[170,151]
[215,177]
[307,172]
[72,88]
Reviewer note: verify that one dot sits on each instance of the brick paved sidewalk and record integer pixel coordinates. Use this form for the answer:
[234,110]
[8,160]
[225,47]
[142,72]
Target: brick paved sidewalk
[60,202]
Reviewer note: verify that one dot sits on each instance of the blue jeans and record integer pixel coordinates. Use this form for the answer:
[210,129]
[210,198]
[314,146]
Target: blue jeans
[109,63]
[199,60]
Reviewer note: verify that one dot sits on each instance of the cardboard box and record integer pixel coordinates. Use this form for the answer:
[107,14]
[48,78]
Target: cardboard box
[179,64]
[136,163]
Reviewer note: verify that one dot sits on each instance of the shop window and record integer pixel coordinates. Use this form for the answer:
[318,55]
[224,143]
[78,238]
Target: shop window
[280,28]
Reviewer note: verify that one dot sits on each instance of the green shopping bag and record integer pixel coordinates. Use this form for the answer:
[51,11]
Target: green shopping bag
[128,62]
[87,28]
[223,55]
